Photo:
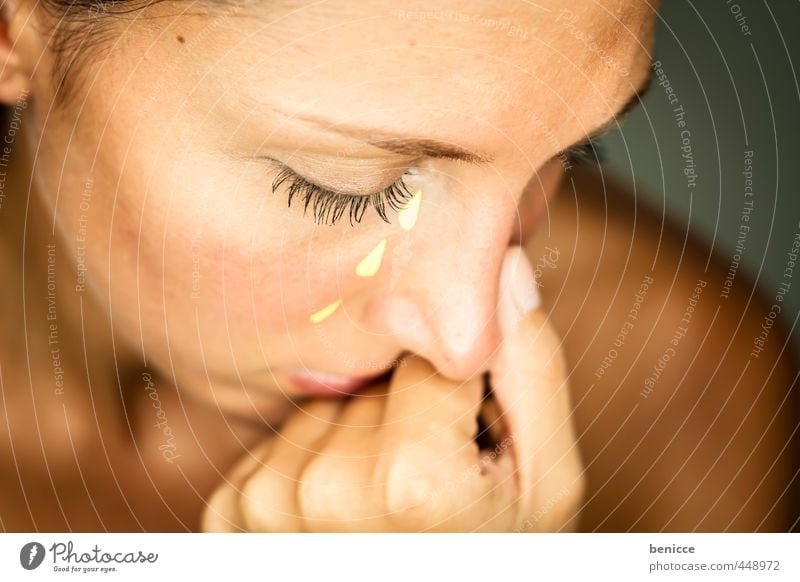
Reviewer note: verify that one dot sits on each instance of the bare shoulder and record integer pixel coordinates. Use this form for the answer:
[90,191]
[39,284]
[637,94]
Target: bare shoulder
[684,389]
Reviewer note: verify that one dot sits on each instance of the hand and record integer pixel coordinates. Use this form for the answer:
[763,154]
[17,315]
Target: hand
[403,456]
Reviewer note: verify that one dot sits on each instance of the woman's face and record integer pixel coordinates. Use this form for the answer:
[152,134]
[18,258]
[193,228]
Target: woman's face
[160,170]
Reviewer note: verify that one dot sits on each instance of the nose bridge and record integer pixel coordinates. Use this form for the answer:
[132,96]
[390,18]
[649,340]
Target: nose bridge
[442,297]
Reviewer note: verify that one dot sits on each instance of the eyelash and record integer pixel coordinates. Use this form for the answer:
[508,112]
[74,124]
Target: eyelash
[329,206]
[586,152]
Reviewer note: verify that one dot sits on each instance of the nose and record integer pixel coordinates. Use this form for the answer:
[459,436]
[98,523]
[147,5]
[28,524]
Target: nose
[442,299]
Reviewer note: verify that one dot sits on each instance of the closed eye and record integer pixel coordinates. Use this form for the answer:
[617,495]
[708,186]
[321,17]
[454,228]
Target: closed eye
[328,206]
[587,151]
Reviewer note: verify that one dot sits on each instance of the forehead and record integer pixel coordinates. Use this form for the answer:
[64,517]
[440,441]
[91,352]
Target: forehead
[482,63]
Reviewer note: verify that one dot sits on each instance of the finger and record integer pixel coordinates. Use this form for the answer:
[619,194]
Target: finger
[430,425]
[423,404]
[529,380]
[436,480]
[269,497]
[339,491]
[222,513]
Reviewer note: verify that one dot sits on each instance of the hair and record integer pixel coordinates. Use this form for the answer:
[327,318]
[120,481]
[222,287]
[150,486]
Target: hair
[77,29]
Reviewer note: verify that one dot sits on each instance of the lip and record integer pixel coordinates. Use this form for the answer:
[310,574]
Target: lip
[317,383]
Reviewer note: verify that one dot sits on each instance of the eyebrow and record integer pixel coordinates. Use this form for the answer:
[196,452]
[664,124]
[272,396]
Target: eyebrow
[430,148]
[442,150]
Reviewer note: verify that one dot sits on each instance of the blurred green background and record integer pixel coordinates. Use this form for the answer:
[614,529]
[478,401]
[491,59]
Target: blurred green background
[732,66]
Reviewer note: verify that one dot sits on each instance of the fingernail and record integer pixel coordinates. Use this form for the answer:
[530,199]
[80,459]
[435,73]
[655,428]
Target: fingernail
[518,290]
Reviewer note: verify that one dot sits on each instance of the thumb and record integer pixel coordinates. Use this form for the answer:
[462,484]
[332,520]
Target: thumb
[529,381]
[519,294]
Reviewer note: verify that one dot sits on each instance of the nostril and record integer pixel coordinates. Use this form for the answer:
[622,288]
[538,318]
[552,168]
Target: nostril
[492,428]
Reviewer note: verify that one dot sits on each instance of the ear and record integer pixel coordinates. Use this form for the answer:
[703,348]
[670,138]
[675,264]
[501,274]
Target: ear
[18,39]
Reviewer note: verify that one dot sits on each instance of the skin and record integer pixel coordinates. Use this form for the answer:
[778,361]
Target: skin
[167,136]
[402,456]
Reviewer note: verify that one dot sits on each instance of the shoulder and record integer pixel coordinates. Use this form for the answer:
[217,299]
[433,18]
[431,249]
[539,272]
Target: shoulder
[681,373]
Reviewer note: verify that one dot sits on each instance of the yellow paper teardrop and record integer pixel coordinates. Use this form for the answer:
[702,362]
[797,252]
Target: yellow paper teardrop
[407,217]
[370,264]
[325,312]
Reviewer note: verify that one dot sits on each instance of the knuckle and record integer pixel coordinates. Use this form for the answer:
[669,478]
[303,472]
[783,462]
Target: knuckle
[255,500]
[336,494]
[315,486]
[416,497]
[220,513]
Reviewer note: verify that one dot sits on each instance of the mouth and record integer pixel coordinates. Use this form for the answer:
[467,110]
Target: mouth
[318,383]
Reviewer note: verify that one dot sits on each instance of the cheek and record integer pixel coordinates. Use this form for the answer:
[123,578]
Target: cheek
[262,296]
[281,266]
[299,281]
[236,256]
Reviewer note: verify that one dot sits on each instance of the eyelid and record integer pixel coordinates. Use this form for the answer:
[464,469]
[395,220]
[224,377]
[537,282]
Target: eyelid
[287,173]
[342,175]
